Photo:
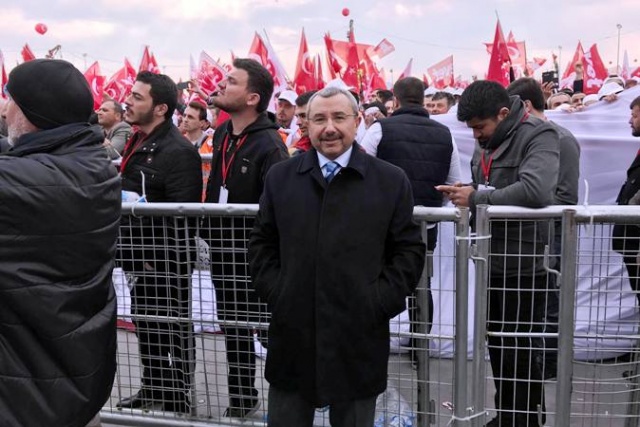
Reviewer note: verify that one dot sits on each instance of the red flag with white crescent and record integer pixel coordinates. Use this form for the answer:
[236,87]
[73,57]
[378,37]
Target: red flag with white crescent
[120,84]
[304,79]
[335,65]
[96,83]
[500,61]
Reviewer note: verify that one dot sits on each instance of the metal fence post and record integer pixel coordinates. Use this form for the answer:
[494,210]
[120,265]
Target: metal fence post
[481,256]
[460,376]
[566,317]
[424,397]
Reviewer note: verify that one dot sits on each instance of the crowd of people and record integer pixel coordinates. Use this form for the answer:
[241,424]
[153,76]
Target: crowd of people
[332,255]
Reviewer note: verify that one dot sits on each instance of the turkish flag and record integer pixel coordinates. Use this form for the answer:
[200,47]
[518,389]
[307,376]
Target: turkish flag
[209,73]
[119,85]
[262,52]
[96,83]
[500,61]
[342,48]
[441,73]
[595,72]
[374,79]
[27,53]
[353,75]
[3,76]
[333,59]
[517,54]
[148,62]
[304,77]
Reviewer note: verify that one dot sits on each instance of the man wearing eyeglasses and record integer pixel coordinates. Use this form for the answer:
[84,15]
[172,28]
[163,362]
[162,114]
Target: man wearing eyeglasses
[334,253]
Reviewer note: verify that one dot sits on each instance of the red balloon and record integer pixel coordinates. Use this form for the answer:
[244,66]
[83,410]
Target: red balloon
[41,28]
[345,11]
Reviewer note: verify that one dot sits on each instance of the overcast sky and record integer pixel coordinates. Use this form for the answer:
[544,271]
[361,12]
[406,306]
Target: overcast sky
[425,30]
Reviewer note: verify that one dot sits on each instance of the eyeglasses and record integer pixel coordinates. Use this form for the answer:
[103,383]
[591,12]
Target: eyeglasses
[337,119]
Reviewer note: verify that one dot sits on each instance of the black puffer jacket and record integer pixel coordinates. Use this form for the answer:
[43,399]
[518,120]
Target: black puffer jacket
[59,216]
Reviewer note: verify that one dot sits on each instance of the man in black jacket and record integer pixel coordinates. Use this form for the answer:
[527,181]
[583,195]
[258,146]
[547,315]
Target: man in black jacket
[60,213]
[159,165]
[334,252]
[626,237]
[425,150]
[245,147]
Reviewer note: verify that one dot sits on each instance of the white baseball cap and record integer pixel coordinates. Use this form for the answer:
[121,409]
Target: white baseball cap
[289,96]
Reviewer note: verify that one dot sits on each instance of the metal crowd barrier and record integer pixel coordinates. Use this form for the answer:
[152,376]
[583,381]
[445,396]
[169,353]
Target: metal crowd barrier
[451,382]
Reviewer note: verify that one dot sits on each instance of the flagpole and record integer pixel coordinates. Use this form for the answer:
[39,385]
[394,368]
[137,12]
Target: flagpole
[618,56]
[559,60]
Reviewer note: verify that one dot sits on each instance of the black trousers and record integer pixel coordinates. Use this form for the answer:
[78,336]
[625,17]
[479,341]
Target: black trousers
[237,302]
[415,314]
[633,269]
[241,362]
[513,307]
[167,348]
[290,409]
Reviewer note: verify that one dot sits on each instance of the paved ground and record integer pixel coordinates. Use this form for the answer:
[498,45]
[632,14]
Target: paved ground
[600,391]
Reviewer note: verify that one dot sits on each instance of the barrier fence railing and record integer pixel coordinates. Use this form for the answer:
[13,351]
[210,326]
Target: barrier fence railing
[440,376]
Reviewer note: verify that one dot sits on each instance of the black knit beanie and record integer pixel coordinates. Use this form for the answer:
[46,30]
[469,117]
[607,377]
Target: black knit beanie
[50,93]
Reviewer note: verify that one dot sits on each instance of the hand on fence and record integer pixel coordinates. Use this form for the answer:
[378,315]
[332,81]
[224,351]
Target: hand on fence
[458,193]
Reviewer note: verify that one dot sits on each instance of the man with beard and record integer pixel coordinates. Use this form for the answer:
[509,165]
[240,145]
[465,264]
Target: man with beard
[245,147]
[626,237]
[285,112]
[159,165]
[515,163]
[60,213]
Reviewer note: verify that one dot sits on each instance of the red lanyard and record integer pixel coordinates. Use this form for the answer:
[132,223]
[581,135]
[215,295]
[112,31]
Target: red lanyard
[125,160]
[486,167]
[226,167]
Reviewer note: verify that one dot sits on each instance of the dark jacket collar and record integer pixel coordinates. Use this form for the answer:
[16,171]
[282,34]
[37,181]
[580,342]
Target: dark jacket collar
[261,123]
[48,140]
[416,110]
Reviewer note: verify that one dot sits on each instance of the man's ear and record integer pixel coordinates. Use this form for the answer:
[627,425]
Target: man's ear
[253,99]
[503,113]
[160,109]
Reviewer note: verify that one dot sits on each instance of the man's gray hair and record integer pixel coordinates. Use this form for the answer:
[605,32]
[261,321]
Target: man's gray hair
[329,92]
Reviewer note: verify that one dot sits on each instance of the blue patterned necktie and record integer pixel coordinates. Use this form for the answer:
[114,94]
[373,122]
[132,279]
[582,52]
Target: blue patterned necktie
[330,169]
